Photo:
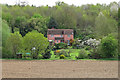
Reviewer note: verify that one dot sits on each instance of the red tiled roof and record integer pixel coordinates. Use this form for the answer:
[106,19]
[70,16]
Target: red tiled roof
[60,31]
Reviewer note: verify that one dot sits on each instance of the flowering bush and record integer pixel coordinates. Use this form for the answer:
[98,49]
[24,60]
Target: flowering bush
[65,53]
[62,52]
[92,42]
[56,52]
[71,42]
[62,56]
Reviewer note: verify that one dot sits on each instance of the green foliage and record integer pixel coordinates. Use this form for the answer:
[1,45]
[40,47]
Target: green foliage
[26,56]
[87,48]
[52,23]
[21,22]
[62,52]
[108,46]
[7,16]
[5,32]
[76,44]
[65,53]
[83,54]
[104,26]
[38,23]
[57,52]
[35,40]
[40,56]
[37,16]
[61,45]
[47,53]
[95,53]
[6,53]
[14,44]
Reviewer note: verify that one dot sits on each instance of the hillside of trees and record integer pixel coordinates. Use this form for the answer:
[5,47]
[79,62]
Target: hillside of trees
[86,20]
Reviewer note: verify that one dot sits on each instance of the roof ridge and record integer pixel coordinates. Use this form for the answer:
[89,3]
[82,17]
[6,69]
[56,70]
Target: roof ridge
[60,29]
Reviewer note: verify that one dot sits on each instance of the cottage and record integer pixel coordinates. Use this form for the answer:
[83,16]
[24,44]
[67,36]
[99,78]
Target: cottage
[60,35]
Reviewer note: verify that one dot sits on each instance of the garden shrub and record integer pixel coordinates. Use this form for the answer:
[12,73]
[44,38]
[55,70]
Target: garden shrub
[75,46]
[47,53]
[61,46]
[108,47]
[65,53]
[95,54]
[78,44]
[56,56]
[6,53]
[87,48]
[60,52]
[71,42]
[56,52]
[26,56]
[40,56]
[62,56]
[83,54]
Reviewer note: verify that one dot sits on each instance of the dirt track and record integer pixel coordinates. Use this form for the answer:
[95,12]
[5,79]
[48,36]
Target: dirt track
[59,69]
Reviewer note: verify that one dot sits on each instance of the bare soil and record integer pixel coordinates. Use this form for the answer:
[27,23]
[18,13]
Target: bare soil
[59,69]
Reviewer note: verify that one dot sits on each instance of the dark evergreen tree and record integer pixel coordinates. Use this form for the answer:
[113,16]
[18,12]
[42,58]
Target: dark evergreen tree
[52,23]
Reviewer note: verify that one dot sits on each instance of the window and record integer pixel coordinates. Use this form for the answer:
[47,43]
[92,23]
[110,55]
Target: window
[61,35]
[68,35]
[52,35]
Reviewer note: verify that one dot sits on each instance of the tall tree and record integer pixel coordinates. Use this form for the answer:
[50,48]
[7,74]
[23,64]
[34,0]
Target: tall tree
[104,25]
[52,23]
[37,41]
[39,23]
[5,32]
[14,43]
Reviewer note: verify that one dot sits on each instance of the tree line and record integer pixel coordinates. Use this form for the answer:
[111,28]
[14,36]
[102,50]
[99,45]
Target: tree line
[86,20]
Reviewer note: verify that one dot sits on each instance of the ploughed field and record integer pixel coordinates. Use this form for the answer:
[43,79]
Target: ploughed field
[59,69]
